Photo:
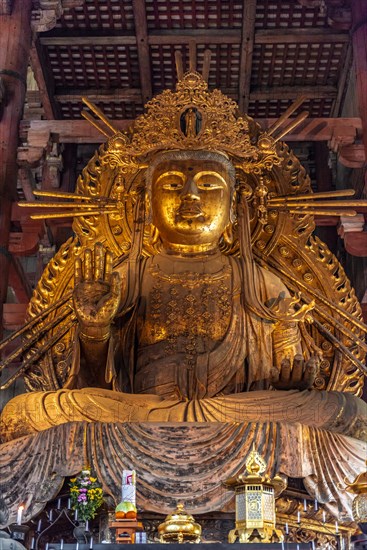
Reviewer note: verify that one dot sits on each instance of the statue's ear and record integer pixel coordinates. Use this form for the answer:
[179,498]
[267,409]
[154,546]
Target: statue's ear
[228,234]
[148,208]
[233,209]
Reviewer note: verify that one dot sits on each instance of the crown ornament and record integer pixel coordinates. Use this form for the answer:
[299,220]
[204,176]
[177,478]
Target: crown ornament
[194,118]
[191,118]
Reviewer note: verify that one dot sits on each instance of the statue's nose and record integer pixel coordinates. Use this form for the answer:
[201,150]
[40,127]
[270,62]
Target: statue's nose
[190,190]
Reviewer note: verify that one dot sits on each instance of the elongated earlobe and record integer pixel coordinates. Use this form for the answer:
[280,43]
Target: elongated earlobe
[228,234]
[233,209]
[148,209]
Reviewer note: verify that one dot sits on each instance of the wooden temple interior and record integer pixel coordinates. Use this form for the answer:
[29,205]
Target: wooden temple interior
[121,53]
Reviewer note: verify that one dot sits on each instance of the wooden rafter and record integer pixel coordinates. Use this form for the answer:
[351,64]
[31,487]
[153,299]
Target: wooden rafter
[247,44]
[292,92]
[141,30]
[347,63]
[199,36]
[95,94]
[300,36]
[44,80]
[80,131]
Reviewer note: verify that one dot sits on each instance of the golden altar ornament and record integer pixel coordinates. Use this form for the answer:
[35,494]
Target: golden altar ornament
[179,527]
[359,488]
[255,503]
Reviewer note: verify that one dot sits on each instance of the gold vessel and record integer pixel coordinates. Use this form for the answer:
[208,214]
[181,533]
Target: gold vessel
[179,527]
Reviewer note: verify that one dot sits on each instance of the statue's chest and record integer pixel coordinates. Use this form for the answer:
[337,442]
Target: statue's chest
[185,306]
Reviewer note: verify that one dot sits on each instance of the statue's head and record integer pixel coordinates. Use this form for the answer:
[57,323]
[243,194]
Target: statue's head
[190,195]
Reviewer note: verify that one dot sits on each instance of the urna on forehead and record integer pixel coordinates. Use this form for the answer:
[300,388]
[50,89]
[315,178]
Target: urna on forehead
[184,157]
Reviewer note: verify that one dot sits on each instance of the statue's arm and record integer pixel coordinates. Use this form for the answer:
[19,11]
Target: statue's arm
[292,367]
[96,296]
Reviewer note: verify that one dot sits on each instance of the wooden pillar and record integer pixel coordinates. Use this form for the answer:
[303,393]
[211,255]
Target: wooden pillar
[359,34]
[15,42]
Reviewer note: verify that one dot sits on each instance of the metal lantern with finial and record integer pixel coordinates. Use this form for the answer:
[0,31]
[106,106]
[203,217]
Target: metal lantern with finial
[179,527]
[359,488]
[255,503]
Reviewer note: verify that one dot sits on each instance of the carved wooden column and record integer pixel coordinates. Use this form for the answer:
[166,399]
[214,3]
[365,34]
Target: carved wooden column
[15,41]
[359,34]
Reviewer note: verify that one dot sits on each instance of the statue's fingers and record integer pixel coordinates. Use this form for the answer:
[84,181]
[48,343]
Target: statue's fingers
[309,377]
[116,285]
[78,273]
[99,254]
[88,265]
[285,370]
[297,370]
[274,375]
[108,266]
[312,368]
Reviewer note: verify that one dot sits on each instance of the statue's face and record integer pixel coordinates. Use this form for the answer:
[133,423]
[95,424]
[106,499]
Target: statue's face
[190,201]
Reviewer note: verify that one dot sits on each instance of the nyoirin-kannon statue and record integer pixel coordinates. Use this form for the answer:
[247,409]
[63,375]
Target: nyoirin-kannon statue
[193,291]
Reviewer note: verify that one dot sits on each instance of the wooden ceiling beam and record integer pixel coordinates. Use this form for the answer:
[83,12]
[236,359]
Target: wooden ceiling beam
[76,39]
[292,92]
[342,82]
[198,36]
[247,46]
[141,30]
[135,95]
[179,36]
[44,80]
[101,94]
[195,36]
[301,36]
[18,280]
[14,317]
[80,131]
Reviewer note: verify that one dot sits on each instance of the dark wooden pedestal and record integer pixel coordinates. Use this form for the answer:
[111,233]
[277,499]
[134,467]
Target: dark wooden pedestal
[125,530]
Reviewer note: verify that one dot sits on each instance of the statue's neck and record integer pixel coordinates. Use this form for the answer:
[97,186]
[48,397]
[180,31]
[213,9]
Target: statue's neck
[212,261]
[199,251]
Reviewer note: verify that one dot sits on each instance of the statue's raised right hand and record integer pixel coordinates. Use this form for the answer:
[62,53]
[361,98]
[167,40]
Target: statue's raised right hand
[96,293]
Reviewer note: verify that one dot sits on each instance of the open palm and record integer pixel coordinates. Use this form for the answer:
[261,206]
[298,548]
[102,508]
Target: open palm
[97,288]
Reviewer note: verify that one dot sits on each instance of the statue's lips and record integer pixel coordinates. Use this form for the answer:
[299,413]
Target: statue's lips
[189,210]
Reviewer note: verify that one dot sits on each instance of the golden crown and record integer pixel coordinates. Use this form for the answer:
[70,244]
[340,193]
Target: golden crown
[191,118]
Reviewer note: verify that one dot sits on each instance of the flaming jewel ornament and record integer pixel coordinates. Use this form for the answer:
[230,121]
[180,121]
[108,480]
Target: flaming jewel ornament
[255,503]
[179,527]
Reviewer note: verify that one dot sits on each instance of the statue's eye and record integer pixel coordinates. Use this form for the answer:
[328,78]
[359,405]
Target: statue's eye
[209,184]
[172,185]
[209,180]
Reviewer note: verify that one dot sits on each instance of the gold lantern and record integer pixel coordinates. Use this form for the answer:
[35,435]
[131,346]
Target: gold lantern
[359,488]
[255,503]
[179,527]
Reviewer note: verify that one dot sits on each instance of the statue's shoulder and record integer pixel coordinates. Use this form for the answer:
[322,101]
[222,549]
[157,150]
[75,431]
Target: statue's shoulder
[272,282]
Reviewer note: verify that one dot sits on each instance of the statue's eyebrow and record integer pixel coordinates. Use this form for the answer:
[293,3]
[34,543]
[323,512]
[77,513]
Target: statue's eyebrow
[170,173]
[210,173]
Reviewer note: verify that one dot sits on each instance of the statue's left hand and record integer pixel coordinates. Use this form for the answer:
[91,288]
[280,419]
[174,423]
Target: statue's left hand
[299,376]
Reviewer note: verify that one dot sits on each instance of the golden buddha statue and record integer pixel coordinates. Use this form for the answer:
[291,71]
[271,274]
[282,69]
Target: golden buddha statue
[192,330]
[193,290]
